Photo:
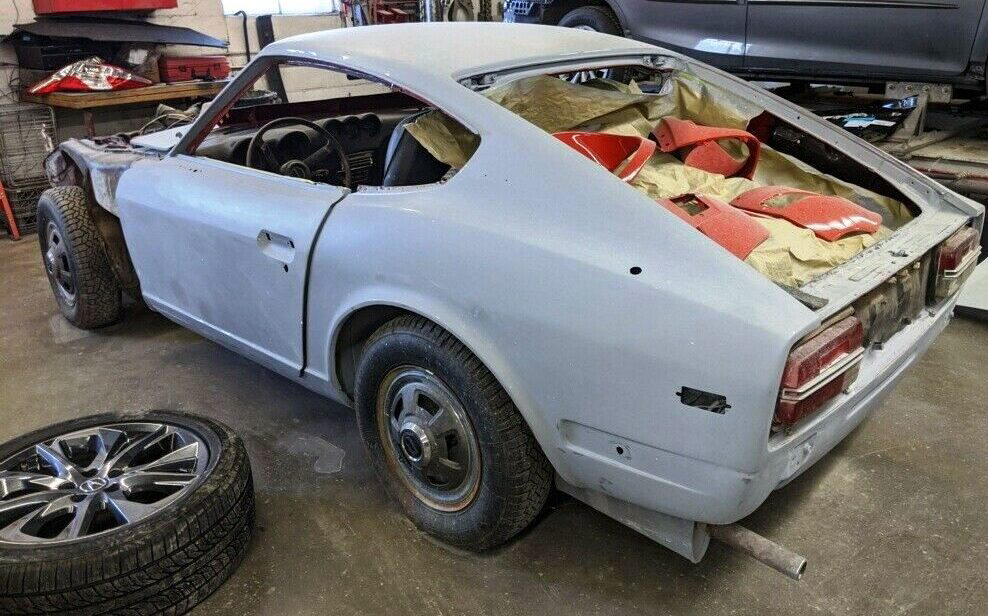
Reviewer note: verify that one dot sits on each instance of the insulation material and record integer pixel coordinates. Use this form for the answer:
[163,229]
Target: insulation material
[791,256]
[445,138]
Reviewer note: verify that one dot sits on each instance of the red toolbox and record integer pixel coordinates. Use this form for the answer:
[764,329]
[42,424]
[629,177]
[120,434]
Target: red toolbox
[48,7]
[184,68]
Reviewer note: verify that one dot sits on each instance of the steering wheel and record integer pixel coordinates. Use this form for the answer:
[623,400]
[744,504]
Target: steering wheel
[259,151]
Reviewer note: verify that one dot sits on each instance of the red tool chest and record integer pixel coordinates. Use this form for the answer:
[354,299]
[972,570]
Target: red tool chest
[184,68]
[48,7]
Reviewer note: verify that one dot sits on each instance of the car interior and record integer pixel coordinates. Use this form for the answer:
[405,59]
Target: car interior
[352,141]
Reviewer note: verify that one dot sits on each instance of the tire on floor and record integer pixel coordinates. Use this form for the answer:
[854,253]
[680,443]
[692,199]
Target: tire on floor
[122,514]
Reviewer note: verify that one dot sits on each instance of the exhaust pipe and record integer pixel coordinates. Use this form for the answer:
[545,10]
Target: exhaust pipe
[761,549]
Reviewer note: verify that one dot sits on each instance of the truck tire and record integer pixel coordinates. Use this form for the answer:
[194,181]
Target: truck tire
[132,515]
[447,441]
[596,18]
[74,255]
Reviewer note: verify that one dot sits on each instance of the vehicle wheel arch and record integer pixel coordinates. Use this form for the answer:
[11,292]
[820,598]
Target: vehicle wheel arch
[356,326]
[555,11]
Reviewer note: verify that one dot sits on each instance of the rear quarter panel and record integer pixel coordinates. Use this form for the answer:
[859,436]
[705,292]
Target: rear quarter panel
[524,255]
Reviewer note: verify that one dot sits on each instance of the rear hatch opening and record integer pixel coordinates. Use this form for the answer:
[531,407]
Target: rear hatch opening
[697,143]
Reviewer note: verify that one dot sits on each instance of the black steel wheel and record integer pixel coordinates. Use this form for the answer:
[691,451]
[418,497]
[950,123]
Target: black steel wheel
[82,280]
[117,514]
[447,441]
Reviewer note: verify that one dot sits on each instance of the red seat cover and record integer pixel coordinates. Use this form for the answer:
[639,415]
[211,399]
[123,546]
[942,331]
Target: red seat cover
[830,218]
[610,151]
[729,227]
[697,146]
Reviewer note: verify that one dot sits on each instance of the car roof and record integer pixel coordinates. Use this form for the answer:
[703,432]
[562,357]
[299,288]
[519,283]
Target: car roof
[449,49]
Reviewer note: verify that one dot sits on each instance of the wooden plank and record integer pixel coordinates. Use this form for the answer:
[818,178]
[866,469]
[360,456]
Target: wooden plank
[150,94]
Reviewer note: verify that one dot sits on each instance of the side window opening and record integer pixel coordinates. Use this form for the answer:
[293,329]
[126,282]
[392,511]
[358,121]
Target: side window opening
[327,126]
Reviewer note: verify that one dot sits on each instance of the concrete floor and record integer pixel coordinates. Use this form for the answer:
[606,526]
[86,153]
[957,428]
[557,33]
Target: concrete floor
[893,521]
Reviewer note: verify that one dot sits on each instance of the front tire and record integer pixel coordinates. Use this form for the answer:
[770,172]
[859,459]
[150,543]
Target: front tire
[447,441]
[75,259]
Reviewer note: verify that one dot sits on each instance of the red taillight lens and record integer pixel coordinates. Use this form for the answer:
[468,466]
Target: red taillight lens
[819,369]
[957,246]
[958,256]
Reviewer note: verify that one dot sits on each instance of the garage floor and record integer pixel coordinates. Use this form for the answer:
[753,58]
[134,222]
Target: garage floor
[894,521]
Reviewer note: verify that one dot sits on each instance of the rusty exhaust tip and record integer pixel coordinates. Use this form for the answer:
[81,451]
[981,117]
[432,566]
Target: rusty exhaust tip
[767,552]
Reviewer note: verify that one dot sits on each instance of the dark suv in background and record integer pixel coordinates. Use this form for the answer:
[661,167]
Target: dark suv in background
[848,41]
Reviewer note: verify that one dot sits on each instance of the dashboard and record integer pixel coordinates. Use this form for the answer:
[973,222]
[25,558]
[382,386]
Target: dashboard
[364,138]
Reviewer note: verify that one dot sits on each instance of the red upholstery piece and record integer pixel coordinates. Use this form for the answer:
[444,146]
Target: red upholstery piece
[610,151]
[732,229]
[697,146]
[830,218]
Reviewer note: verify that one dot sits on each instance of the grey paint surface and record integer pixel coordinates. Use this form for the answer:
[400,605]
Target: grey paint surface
[893,521]
[708,31]
[533,276]
[898,37]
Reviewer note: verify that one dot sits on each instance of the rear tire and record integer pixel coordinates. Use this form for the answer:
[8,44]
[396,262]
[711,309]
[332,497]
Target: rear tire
[593,18]
[412,361]
[75,259]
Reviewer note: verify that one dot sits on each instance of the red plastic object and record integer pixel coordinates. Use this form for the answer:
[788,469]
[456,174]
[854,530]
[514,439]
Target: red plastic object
[727,226]
[8,214]
[184,68]
[830,218]
[622,155]
[89,75]
[49,7]
[697,146]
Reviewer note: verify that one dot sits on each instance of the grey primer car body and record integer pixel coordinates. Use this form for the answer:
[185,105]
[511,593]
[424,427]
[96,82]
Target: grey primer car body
[942,41]
[524,255]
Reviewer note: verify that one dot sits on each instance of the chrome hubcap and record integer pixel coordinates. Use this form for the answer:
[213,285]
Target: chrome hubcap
[428,438]
[57,264]
[96,480]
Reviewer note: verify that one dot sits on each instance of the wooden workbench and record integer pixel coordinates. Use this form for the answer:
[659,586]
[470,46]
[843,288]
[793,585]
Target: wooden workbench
[137,96]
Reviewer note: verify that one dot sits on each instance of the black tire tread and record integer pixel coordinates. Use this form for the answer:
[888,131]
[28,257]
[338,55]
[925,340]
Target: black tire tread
[605,14]
[164,570]
[98,294]
[529,474]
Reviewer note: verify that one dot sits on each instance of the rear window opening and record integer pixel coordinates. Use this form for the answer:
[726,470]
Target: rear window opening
[706,143]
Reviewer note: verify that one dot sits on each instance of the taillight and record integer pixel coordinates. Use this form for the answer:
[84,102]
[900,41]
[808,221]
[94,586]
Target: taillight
[958,256]
[819,369]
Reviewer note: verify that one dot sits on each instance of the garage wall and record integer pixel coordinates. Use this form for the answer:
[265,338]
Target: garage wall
[207,17]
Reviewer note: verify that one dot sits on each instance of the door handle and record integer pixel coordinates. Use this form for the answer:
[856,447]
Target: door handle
[278,247]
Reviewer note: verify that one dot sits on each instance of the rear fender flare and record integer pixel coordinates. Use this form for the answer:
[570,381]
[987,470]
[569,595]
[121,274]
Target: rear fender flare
[470,332]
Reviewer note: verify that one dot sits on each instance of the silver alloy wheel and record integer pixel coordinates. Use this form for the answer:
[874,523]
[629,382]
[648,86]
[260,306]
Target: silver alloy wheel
[57,264]
[428,438]
[96,480]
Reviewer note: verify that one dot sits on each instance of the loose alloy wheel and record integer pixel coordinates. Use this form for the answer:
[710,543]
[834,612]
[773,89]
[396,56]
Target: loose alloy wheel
[116,514]
[446,439]
[95,480]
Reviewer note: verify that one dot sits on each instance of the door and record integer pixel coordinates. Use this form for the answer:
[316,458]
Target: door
[709,30]
[888,39]
[223,249]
